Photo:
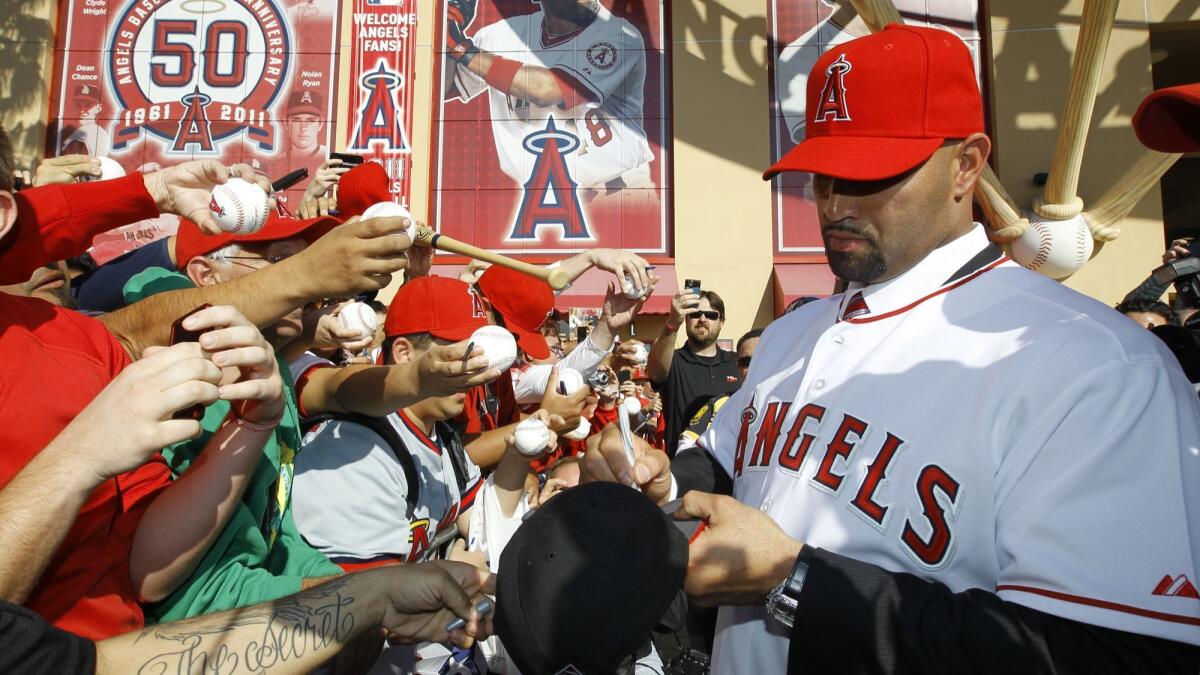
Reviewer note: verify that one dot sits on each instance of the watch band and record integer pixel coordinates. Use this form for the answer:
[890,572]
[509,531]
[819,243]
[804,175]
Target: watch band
[784,599]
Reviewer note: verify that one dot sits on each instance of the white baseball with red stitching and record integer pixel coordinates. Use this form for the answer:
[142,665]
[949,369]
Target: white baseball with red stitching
[1055,248]
[360,317]
[531,437]
[239,206]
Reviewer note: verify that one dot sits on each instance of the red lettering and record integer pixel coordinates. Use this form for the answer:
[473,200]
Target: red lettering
[768,433]
[739,453]
[840,446]
[790,458]
[932,551]
[876,473]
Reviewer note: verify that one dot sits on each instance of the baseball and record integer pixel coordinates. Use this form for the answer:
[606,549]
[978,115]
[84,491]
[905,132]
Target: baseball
[498,346]
[531,437]
[631,406]
[580,432]
[239,206]
[360,317]
[1055,248]
[641,353]
[569,381]
[631,291]
[386,210]
[109,169]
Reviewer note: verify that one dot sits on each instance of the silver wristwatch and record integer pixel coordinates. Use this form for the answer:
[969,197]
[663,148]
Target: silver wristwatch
[783,600]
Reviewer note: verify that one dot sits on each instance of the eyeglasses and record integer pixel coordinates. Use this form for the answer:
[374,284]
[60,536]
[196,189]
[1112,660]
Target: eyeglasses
[744,361]
[270,261]
[710,315]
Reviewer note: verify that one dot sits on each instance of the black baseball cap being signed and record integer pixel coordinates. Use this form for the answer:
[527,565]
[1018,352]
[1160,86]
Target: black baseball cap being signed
[585,579]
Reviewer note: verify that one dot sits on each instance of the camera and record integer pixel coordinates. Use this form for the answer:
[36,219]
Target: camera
[598,380]
[1184,273]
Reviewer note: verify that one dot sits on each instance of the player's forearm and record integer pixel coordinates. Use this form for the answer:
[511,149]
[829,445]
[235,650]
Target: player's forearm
[295,634]
[263,297]
[375,391]
[182,522]
[488,448]
[531,83]
[39,507]
[869,620]
[662,352]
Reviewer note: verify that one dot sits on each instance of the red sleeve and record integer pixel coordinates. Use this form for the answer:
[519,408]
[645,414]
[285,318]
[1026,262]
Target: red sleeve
[55,222]
[302,382]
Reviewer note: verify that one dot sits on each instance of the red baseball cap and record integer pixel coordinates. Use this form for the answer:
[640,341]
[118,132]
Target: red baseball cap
[524,302]
[191,242]
[361,187]
[443,307]
[881,105]
[1168,120]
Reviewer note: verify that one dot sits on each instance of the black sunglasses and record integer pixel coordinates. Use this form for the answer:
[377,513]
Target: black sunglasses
[744,361]
[710,315]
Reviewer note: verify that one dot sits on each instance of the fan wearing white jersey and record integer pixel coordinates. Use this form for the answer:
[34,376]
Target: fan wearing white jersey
[572,61]
[957,465]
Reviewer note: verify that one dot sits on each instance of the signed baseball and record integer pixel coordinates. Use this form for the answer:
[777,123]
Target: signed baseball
[497,344]
[631,406]
[580,432]
[531,437]
[359,316]
[239,206]
[1055,248]
[569,381]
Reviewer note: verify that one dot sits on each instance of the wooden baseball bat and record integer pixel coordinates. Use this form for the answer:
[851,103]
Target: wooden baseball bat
[1002,213]
[423,236]
[1060,201]
[1107,213]
[877,13]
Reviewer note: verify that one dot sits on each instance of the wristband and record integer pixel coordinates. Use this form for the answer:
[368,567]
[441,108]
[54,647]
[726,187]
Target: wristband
[246,424]
[502,72]
[671,327]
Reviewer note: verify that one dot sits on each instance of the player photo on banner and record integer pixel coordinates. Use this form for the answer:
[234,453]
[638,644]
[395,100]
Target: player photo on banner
[802,32]
[551,125]
[382,61]
[151,84]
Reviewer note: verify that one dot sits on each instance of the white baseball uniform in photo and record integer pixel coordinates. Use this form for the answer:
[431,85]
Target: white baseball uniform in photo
[986,429]
[608,60]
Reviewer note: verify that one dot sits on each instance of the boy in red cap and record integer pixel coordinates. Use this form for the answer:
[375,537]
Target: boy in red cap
[957,465]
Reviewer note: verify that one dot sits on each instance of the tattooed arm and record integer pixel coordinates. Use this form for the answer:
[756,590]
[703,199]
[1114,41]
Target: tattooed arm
[300,632]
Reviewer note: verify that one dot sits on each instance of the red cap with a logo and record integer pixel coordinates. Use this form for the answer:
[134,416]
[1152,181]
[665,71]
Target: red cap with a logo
[443,307]
[361,188]
[881,105]
[523,302]
[1168,120]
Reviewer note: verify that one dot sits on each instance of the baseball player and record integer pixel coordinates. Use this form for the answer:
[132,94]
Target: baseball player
[573,61]
[956,465]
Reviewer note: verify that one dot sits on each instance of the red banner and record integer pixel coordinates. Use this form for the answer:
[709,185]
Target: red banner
[570,151]
[382,62]
[801,32]
[151,83]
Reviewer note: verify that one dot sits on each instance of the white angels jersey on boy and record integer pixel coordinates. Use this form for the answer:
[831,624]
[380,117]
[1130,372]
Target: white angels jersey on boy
[608,59]
[997,431]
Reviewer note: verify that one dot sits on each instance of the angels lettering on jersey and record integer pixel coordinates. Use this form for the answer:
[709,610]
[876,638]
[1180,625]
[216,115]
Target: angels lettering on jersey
[569,129]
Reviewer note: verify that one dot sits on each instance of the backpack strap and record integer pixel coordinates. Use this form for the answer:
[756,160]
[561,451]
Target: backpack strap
[385,430]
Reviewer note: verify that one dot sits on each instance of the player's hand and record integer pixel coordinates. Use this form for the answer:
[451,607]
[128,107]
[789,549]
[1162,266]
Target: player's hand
[445,370]
[551,422]
[234,343]
[739,556]
[360,255]
[462,11]
[1178,249]
[317,207]
[186,189]
[684,302]
[130,419]
[323,330]
[566,410]
[423,598]
[605,461]
[474,269]
[327,176]
[619,311]
[66,169]
[456,36]
[622,263]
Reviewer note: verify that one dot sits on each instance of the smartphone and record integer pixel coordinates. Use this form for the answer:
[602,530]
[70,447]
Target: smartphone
[581,333]
[624,376]
[692,285]
[347,158]
[181,334]
[289,180]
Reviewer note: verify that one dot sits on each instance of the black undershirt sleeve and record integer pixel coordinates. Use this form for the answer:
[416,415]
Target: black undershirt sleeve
[29,645]
[854,617]
[695,469]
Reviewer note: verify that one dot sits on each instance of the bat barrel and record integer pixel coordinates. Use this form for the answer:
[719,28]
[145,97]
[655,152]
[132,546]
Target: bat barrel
[423,236]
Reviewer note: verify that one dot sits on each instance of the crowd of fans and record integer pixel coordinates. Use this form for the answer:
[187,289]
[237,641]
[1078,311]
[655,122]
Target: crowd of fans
[196,441]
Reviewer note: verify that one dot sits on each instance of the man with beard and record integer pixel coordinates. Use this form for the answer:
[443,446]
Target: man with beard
[699,370]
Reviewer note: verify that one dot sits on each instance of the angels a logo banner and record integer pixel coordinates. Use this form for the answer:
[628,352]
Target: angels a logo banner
[382,61]
[553,136]
[801,33]
[151,83]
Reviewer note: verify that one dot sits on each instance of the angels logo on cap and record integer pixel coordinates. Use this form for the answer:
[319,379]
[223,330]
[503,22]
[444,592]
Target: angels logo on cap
[833,94]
